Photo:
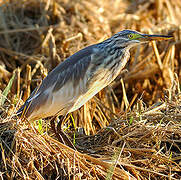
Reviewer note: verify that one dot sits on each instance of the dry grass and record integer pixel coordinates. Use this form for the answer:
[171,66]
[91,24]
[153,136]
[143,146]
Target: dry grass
[132,127]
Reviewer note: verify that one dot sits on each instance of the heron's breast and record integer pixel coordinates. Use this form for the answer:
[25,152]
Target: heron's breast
[99,79]
[92,85]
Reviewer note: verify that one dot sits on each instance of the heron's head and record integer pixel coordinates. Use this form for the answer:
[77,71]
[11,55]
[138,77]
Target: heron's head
[128,38]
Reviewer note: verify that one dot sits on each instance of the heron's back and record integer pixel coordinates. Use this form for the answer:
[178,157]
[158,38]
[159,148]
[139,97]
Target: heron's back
[72,69]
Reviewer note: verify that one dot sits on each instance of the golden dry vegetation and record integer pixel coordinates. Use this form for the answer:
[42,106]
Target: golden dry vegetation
[132,128]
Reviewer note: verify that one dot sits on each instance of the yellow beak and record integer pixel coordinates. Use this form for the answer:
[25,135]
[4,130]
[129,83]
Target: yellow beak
[147,37]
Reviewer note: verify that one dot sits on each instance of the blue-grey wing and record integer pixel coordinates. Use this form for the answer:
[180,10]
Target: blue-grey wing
[72,69]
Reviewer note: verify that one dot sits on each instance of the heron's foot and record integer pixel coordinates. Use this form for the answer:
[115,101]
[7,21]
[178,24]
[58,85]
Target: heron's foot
[60,134]
[52,123]
[66,140]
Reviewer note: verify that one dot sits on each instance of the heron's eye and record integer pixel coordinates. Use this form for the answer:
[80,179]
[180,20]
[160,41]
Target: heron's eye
[130,36]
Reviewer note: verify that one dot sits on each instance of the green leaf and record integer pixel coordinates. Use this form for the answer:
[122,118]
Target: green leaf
[131,120]
[6,90]
[40,126]
[74,127]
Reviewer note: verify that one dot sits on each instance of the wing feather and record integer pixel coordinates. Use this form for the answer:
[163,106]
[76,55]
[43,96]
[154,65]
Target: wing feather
[72,69]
